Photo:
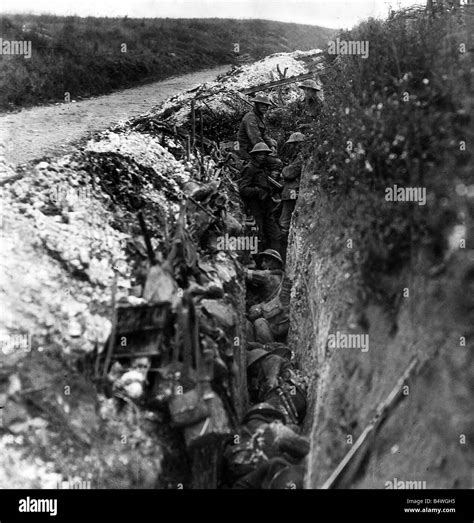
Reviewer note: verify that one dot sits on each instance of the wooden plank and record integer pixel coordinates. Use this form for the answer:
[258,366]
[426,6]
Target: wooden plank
[193,124]
[350,464]
[113,332]
[277,83]
[140,318]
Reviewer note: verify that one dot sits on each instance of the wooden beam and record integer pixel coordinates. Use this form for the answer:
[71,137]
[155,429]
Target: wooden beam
[193,125]
[277,83]
[348,468]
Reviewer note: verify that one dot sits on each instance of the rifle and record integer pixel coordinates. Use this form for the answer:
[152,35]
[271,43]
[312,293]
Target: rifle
[276,185]
[271,181]
[287,401]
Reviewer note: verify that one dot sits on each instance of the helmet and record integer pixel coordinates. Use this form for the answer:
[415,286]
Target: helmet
[261,147]
[262,99]
[295,137]
[266,410]
[288,478]
[280,349]
[255,355]
[271,253]
[310,84]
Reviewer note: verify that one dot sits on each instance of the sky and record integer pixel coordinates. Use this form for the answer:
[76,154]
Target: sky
[328,13]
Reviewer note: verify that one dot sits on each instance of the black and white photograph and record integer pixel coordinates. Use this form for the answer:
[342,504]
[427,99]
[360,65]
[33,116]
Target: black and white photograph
[237,254]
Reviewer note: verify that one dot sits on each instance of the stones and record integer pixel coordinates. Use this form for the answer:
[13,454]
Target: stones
[160,286]
[14,385]
[221,311]
[131,383]
[14,416]
[74,329]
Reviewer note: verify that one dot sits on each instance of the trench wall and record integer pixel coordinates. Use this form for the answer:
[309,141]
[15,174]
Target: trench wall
[429,435]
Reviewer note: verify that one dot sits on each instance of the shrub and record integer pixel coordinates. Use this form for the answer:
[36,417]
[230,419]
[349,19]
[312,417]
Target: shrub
[397,117]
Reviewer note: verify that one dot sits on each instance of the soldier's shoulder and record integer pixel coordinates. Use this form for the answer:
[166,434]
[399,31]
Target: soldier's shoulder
[249,116]
[246,168]
[251,166]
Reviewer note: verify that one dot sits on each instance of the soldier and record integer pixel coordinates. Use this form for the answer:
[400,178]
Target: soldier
[265,281]
[253,130]
[255,191]
[291,176]
[245,456]
[263,370]
[311,105]
[273,379]
[271,319]
[262,439]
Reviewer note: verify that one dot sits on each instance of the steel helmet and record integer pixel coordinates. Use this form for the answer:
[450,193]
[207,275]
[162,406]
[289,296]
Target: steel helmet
[261,147]
[255,355]
[296,137]
[310,84]
[265,410]
[280,349]
[262,99]
[288,478]
[271,253]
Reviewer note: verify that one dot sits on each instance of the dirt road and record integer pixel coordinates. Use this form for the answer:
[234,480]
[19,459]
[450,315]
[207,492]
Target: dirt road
[33,133]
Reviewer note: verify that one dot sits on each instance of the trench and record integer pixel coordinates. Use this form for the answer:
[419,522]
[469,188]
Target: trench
[136,375]
[129,281]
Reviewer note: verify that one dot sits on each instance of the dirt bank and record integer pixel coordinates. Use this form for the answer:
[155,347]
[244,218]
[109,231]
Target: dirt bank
[382,286]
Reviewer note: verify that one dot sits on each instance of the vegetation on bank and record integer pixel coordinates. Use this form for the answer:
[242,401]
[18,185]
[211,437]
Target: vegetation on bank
[86,56]
[401,118]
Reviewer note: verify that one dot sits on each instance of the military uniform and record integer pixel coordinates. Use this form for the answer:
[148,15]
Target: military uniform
[264,442]
[307,111]
[271,319]
[253,130]
[291,176]
[255,191]
[266,282]
[263,373]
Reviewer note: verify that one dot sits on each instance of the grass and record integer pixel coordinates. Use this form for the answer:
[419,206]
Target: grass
[93,56]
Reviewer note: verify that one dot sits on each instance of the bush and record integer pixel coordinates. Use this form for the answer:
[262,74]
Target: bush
[397,117]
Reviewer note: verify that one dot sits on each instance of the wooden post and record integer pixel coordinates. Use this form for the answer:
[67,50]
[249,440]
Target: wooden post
[113,332]
[193,124]
[201,131]
[188,148]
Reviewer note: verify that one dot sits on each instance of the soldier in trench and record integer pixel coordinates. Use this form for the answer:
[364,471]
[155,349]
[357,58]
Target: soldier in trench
[291,175]
[311,105]
[271,318]
[255,192]
[265,446]
[253,130]
[263,283]
[272,378]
